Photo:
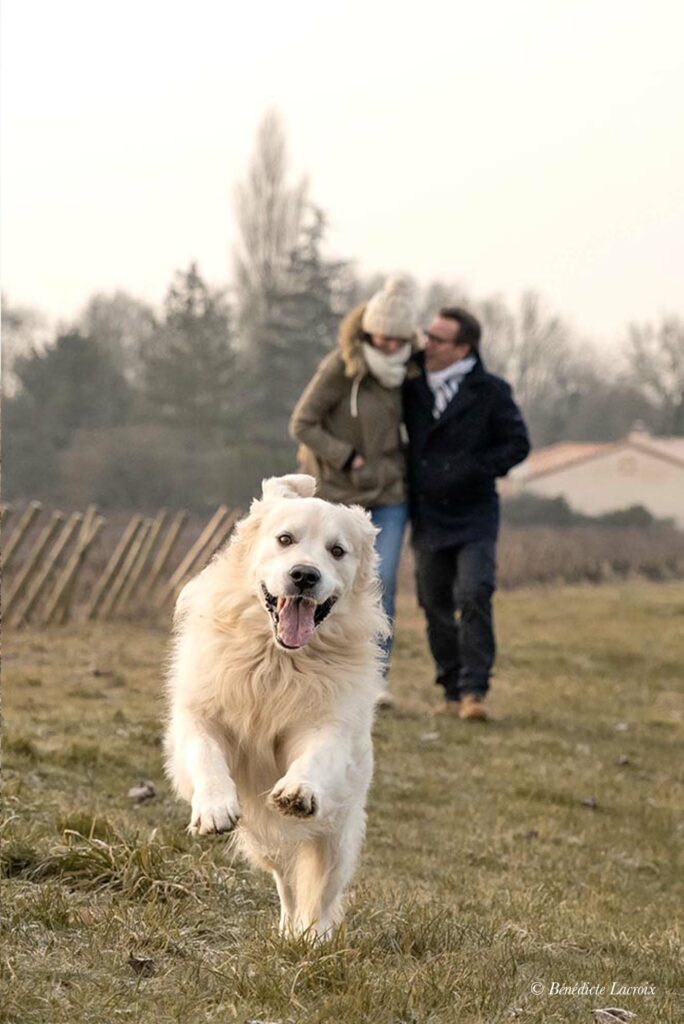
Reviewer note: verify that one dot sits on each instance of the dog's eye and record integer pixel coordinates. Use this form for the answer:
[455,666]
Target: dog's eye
[285,539]
[337,551]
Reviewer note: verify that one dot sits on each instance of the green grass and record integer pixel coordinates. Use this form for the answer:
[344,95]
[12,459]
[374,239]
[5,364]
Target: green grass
[544,847]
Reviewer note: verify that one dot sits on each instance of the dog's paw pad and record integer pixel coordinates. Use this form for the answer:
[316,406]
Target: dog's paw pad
[294,801]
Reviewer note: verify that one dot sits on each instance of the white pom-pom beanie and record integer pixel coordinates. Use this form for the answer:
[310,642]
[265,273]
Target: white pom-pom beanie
[392,310]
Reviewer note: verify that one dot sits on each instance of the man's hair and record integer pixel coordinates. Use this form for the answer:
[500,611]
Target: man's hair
[470,331]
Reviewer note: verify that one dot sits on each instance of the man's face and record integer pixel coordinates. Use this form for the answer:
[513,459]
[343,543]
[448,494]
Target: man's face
[441,344]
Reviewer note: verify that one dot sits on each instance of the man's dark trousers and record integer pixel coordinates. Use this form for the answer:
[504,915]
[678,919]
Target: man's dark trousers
[459,579]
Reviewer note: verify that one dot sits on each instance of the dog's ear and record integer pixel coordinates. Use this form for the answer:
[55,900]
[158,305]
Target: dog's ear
[366,587]
[296,485]
[368,557]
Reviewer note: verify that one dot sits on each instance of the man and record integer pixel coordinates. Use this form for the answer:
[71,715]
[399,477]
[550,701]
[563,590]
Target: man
[464,431]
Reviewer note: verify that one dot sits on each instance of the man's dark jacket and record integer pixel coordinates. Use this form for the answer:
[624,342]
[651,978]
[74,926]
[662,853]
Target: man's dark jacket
[453,461]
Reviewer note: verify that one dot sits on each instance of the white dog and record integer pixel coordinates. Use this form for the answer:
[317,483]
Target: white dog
[272,688]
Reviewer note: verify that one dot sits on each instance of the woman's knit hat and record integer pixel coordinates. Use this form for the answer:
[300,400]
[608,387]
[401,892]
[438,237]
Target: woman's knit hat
[392,310]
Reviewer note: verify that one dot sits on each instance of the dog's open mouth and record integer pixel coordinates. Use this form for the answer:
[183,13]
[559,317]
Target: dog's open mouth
[295,618]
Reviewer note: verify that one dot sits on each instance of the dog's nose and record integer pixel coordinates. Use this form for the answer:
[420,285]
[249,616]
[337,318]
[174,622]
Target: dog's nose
[304,577]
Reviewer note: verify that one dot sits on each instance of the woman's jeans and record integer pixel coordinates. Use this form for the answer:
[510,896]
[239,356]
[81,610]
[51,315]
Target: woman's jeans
[391,521]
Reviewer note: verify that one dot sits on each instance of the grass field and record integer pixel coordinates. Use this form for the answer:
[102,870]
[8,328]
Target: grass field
[501,862]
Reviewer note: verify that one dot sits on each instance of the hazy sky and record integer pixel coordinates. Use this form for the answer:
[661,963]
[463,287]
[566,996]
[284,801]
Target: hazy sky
[504,145]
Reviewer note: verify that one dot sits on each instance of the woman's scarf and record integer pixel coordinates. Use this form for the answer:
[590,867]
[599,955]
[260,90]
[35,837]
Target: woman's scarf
[390,370]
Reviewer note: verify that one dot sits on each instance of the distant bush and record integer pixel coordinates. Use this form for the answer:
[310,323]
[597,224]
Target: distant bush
[577,554]
[532,510]
[529,509]
[588,553]
[635,515]
[145,467]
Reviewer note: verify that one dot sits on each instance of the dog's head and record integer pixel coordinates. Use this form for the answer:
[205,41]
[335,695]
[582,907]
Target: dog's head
[305,557]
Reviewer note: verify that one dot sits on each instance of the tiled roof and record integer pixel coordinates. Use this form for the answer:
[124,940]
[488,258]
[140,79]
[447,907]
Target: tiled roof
[673,447]
[565,453]
[556,456]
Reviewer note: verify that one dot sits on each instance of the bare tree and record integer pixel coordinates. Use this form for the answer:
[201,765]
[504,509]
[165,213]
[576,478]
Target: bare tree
[656,357]
[541,359]
[269,215]
[498,334]
[435,296]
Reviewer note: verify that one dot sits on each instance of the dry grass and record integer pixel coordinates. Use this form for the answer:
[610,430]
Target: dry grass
[542,848]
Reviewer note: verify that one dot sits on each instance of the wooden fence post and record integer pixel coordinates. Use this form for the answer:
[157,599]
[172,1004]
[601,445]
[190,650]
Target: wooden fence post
[109,604]
[90,527]
[112,567]
[212,546]
[88,521]
[38,587]
[6,513]
[146,550]
[24,575]
[162,556]
[84,533]
[192,556]
[71,570]
[26,518]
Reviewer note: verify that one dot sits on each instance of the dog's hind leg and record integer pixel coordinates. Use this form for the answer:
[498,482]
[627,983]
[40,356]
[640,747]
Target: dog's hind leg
[311,874]
[287,902]
[324,866]
[343,855]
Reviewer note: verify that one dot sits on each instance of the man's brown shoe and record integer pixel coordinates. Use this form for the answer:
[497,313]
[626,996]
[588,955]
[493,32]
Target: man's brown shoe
[449,708]
[472,709]
[384,701]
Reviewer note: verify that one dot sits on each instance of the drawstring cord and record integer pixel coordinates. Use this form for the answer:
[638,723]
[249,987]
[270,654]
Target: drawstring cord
[354,398]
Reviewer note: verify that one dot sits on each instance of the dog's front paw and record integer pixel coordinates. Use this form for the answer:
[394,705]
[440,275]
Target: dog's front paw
[296,800]
[213,816]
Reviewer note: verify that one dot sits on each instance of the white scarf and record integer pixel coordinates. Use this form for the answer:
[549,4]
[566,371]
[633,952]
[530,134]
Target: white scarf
[390,370]
[445,383]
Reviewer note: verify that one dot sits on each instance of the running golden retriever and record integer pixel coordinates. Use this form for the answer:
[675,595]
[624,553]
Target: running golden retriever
[275,673]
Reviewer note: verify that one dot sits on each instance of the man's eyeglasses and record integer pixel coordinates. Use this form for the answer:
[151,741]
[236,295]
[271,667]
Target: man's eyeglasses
[435,338]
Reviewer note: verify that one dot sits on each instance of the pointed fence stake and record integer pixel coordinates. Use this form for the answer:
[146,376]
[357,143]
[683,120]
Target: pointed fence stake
[112,567]
[193,555]
[36,590]
[163,554]
[26,518]
[66,580]
[24,575]
[118,583]
[83,534]
[211,547]
[92,524]
[146,550]
[6,513]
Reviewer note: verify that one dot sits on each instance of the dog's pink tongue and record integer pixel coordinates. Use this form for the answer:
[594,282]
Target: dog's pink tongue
[296,621]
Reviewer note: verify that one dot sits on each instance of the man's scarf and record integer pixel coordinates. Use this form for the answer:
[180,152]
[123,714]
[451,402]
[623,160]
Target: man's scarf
[444,384]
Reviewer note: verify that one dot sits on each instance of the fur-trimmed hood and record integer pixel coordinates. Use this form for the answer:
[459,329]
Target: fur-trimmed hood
[350,340]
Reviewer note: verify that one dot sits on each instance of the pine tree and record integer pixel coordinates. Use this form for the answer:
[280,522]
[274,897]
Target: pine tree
[189,363]
[304,312]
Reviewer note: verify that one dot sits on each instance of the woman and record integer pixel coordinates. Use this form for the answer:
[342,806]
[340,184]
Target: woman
[348,422]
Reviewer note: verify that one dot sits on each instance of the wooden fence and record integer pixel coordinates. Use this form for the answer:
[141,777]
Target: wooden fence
[57,567]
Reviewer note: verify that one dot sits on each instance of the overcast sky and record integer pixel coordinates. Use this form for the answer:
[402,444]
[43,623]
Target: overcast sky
[504,145]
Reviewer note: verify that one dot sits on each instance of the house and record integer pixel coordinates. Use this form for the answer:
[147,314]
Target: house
[606,477]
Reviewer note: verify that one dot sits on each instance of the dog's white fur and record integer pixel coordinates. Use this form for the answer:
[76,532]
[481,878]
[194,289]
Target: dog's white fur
[276,741]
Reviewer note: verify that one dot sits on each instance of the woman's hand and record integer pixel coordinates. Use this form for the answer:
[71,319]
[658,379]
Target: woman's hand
[358,461]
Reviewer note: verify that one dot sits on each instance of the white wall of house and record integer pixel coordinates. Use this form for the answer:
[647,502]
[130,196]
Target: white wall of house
[615,480]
